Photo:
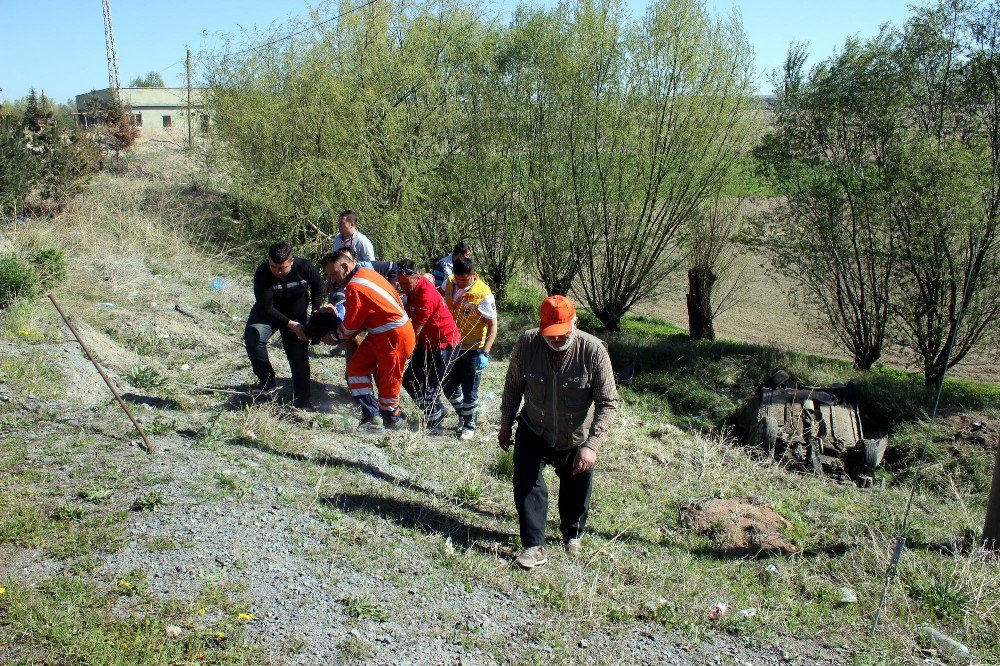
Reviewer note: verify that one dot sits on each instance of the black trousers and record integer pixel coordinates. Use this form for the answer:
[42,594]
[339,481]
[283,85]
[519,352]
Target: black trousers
[423,378]
[531,496]
[258,331]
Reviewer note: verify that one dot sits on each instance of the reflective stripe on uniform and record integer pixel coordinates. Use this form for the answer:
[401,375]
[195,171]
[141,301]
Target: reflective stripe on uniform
[388,326]
[381,292]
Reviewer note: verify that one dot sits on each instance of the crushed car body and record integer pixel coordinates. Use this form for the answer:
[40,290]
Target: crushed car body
[812,429]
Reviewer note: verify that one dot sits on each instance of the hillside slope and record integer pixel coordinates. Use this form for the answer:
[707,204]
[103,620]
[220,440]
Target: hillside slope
[258,534]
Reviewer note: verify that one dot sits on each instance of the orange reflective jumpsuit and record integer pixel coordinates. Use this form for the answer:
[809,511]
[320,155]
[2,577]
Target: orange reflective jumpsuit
[372,305]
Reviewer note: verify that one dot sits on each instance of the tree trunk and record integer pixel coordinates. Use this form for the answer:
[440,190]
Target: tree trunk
[934,372]
[558,288]
[699,303]
[864,359]
[612,322]
[991,530]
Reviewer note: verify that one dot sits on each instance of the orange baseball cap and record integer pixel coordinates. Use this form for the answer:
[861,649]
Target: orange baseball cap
[556,316]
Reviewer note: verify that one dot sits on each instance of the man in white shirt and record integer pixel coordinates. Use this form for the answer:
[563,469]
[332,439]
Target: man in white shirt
[349,236]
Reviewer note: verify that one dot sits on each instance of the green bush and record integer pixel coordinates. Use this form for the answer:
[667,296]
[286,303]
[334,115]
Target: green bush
[16,280]
[942,597]
[50,267]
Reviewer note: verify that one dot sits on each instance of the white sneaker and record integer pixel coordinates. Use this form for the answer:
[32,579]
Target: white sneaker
[532,557]
[467,434]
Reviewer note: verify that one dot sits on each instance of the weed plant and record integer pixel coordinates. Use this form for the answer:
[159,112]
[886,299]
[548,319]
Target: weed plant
[151,501]
[16,280]
[50,266]
[365,609]
[145,377]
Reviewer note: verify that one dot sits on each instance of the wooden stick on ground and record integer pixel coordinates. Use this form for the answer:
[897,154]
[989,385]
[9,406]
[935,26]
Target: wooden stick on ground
[147,445]
[613,539]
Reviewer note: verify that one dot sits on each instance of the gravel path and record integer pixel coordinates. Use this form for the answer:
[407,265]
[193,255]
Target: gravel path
[326,586]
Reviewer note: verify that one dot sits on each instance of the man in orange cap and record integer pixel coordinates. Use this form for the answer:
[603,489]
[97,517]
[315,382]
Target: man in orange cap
[565,379]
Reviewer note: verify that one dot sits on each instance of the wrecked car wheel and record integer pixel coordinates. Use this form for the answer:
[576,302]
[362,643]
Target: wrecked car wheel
[765,435]
[874,450]
[777,379]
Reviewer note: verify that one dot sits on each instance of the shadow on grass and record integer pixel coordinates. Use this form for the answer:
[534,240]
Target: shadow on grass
[718,552]
[429,520]
[151,401]
[366,464]
[237,397]
[400,478]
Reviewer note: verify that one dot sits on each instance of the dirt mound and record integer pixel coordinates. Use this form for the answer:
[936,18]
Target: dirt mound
[740,526]
[975,430]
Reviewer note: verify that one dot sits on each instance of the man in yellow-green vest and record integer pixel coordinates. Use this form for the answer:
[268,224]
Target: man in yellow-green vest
[475,311]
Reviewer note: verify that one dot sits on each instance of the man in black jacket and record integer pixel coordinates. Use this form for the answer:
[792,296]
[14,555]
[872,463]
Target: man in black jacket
[284,288]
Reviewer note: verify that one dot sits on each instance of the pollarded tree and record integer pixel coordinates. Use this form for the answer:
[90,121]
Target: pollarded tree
[946,207]
[667,119]
[716,264]
[889,154]
[365,112]
[830,156]
[539,54]
[493,165]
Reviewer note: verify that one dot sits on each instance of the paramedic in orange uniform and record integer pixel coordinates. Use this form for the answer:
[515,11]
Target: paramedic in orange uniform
[372,307]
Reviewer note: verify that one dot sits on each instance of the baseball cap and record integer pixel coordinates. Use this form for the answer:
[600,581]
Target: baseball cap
[556,315]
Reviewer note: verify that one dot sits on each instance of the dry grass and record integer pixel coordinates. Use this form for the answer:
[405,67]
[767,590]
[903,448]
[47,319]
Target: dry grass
[134,235]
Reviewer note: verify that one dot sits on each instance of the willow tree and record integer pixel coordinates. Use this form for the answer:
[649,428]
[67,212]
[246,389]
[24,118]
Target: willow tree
[668,117]
[889,154]
[540,55]
[831,156]
[947,206]
[365,112]
[716,264]
[492,168]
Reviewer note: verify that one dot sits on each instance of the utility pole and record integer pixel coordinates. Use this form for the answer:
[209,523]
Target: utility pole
[114,80]
[190,143]
[991,531]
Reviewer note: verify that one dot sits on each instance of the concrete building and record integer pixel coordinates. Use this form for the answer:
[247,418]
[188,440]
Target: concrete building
[160,113]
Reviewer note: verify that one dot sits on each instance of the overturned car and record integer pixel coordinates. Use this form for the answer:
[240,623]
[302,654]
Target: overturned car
[812,429]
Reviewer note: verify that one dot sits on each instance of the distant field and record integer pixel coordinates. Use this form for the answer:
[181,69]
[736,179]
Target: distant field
[764,315]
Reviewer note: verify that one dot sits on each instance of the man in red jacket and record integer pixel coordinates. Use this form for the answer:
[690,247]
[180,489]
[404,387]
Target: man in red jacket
[372,306]
[437,336]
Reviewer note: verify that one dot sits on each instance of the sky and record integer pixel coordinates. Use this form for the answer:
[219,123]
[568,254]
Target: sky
[58,45]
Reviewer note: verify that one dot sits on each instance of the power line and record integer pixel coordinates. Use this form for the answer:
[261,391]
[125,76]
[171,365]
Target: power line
[299,32]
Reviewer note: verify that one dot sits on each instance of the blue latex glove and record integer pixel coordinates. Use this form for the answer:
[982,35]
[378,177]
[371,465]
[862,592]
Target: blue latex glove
[482,361]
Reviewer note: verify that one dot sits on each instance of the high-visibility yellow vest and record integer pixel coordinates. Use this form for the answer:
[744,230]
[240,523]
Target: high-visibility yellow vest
[471,323]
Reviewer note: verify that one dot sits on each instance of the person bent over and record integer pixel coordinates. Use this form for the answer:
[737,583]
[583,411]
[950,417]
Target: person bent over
[565,379]
[284,287]
[437,337]
[475,311]
[372,307]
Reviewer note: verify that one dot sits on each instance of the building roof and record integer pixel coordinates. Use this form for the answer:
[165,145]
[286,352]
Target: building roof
[147,98]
